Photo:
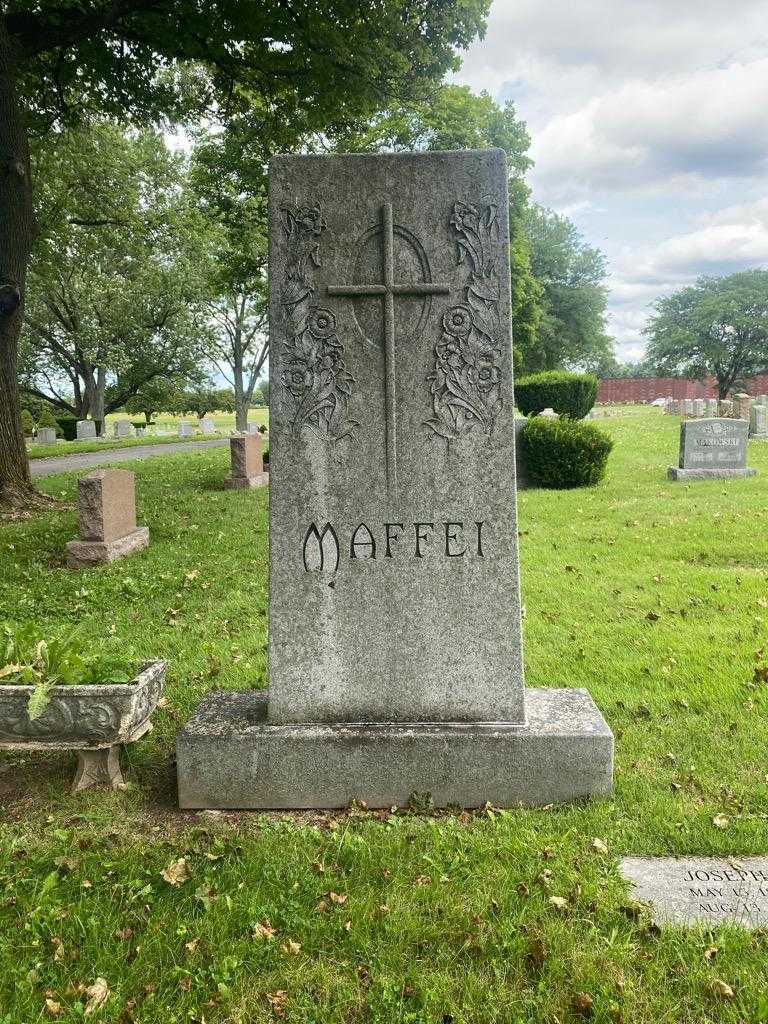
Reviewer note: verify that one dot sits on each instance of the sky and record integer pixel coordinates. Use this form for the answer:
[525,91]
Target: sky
[649,127]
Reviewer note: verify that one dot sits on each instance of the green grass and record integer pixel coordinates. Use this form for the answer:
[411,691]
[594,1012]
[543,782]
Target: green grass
[652,594]
[224,422]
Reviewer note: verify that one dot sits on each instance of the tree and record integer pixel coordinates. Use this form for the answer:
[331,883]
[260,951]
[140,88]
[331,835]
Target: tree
[205,398]
[116,277]
[717,327]
[262,389]
[63,61]
[230,181]
[572,332]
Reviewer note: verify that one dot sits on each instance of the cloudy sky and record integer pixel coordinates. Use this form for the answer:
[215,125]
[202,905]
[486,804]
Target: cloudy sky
[649,122]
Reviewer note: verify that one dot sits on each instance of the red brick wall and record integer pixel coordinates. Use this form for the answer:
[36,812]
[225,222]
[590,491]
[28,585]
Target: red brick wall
[646,389]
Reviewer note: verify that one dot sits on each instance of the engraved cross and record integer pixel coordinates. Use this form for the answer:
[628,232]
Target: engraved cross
[387,289]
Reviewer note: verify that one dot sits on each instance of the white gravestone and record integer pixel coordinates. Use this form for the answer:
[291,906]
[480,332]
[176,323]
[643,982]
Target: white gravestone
[185,429]
[758,421]
[207,426]
[395,642]
[122,428]
[86,430]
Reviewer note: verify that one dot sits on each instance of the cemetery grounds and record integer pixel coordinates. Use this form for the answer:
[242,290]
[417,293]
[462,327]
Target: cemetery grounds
[223,422]
[652,594]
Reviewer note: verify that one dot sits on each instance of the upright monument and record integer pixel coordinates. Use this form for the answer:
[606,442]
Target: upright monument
[395,641]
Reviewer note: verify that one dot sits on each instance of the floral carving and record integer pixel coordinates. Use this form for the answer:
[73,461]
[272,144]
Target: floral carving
[466,381]
[312,372]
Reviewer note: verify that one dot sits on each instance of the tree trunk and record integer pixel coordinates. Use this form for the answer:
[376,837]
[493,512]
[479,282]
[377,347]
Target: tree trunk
[241,401]
[17,232]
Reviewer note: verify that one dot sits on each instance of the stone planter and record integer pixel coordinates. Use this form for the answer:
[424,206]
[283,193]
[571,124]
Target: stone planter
[93,720]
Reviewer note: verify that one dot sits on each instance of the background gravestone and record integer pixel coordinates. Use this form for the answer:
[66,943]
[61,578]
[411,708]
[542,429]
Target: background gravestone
[395,642]
[45,435]
[247,462]
[712,449]
[106,503]
[123,428]
[86,430]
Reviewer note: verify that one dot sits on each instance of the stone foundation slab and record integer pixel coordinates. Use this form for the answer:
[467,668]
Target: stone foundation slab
[84,553]
[676,473]
[229,756]
[235,483]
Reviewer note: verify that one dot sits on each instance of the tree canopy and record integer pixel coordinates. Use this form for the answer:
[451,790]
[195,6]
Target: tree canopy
[717,327]
[572,276]
[118,272]
[318,64]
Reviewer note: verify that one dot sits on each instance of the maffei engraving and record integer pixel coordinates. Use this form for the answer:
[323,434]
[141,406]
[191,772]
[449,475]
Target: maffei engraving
[466,381]
[323,546]
[313,372]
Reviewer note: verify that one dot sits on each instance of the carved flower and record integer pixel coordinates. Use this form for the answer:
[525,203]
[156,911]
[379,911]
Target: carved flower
[310,218]
[464,217]
[297,378]
[457,321]
[485,377]
[321,323]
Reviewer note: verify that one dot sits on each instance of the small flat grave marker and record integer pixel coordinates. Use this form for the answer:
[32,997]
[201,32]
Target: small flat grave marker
[701,890]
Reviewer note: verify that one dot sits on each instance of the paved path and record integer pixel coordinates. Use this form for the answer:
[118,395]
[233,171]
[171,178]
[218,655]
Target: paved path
[66,463]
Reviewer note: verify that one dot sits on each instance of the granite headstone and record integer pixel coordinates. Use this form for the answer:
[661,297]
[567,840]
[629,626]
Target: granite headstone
[106,502]
[395,646]
[86,430]
[712,449]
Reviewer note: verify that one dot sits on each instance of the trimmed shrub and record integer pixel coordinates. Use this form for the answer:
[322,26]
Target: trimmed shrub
[47,419]
[564,453]
[27,423]
[68,427]
[569,394]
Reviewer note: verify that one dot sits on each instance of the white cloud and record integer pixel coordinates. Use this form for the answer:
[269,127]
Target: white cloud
[668,134]
[649,124]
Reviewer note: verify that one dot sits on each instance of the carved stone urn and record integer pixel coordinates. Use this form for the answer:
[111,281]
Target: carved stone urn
[93,720]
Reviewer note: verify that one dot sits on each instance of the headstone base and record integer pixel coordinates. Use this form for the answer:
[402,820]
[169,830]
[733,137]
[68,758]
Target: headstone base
[676,473]
[230,756]
[82,554]
[242,482]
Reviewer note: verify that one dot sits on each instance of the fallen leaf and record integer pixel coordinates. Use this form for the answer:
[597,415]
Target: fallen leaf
[558,901]
[599,846]
[52,1008]
[583,1003]
[277,1001]
[97,993]
[722,989]
[721,821]
[322,907]
[537,953]
[263,930]
[192,945]
[653,616]
[178,871]
[710,952]
[337,897]
[58,948]
[423,880]
[289,946]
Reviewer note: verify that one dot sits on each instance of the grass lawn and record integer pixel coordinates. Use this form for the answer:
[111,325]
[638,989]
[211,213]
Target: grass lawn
[224,422]
[652,594]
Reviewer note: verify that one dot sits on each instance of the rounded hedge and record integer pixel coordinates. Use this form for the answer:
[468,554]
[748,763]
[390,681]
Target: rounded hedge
[564,453]
[27,423]
[569,394]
